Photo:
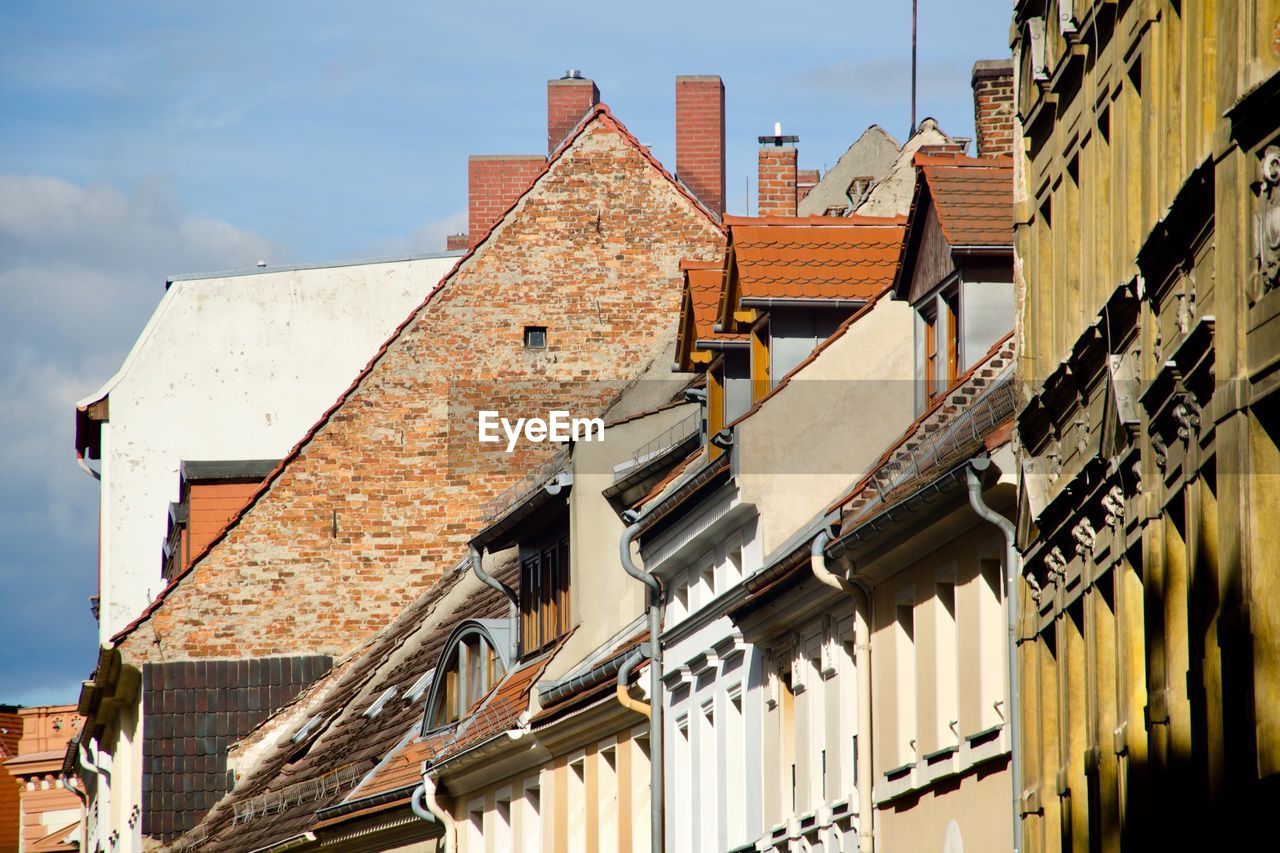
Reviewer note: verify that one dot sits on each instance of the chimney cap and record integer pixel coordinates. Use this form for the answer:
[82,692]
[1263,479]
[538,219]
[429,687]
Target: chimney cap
[572,74]
[777,138]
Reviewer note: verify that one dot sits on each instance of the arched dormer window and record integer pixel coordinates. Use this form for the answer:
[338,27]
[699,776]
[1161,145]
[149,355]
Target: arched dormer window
[474,659]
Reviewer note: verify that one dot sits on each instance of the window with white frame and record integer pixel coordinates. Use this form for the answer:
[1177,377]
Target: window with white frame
[531,817]
[576,795]
[946,722]
[640,837]
[500,831]
[904,654]
[991,651]
[475,826]
[682,787]
[733,560]
[708,801]
[735,793]
[847,705]
[607,797]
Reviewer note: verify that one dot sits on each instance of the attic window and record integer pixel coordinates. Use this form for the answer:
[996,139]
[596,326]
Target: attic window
[378,704]
[535,337]
[301,734]
[468,673]
[419,688]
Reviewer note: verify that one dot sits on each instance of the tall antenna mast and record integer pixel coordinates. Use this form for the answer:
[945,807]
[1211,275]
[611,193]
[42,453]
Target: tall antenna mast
[914,8]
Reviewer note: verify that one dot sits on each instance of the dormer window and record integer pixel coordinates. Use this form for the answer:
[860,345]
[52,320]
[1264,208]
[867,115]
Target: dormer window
[544,592]
[469,668]
[941,345]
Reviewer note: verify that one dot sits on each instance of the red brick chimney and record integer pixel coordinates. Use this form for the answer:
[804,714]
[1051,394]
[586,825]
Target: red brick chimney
[993,106]
[568,100]
[776,193]
[494,182]
[700,138]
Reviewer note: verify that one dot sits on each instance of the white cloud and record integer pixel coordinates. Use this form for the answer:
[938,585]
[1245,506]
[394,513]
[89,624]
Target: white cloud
[427,237]
[81,270]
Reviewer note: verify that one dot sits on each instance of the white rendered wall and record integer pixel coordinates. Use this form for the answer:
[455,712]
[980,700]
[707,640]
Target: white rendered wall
[237,367]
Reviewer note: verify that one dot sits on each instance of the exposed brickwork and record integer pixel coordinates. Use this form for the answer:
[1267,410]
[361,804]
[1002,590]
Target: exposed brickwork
[384,495]
[494,182]
[567,102]
[776,193]
[806,180]
[700,138]
[993,107]
[457,242]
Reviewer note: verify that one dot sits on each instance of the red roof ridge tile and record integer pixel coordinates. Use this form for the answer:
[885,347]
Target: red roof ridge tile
[600,111]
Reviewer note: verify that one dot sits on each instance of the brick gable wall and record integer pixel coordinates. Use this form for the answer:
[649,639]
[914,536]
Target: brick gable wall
[386,493]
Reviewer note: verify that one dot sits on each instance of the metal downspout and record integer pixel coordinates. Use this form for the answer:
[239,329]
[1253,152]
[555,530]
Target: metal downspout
[862,661]
[477,566]
[655,681]
[987,514]
[624,676]
[418,803]
[426,805]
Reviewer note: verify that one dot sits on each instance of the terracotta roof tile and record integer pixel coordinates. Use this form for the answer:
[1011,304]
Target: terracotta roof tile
[500,710]
[815,258]
[973,197]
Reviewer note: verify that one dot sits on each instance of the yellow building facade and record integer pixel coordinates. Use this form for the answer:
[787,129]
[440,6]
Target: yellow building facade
[1147,238]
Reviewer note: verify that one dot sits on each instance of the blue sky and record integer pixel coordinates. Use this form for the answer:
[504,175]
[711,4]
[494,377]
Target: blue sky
[139,140]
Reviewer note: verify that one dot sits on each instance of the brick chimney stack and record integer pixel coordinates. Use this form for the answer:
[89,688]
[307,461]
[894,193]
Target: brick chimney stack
[494,182]
[993,106]
[776,192]
[568,100]
[700,137]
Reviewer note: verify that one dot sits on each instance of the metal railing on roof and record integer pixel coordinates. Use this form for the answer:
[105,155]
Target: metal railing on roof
[525,486]
[675,435]
[308,790]
[933,452]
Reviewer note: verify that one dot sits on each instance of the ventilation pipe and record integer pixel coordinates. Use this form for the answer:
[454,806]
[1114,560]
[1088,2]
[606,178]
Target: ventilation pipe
[477,566]
[862,660]
[655,679]
[986,513]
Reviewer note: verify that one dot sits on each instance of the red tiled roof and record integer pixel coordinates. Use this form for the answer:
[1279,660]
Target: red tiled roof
[599,113]
[499,711]
[973,197]
[813,258]
[704,291]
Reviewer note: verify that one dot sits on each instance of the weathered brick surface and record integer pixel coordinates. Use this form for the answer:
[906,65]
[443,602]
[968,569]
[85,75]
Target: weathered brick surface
[388,489]
[700,138]
[776,193]
[993,108]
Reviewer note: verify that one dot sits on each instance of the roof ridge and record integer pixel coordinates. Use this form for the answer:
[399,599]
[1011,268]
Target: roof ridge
[598,112]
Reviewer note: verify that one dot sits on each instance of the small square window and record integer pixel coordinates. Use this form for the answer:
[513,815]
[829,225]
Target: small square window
[535,337]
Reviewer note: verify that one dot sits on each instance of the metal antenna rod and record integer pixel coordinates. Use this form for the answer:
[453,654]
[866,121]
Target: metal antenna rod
[914,8]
